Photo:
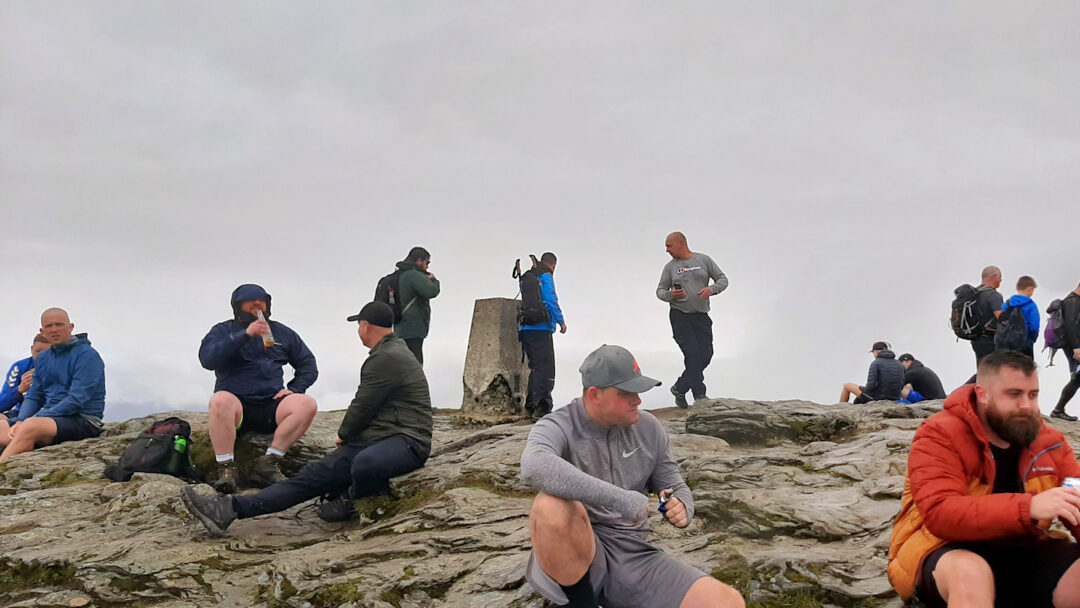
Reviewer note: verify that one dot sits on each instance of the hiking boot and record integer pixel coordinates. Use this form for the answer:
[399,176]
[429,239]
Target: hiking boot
[226,477]
[680,399]
[266,470]
[215,512]
[337,510]
[1061,415]
[700,399]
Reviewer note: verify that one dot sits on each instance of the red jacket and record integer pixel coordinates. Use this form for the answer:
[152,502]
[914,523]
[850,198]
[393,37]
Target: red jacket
[950,477]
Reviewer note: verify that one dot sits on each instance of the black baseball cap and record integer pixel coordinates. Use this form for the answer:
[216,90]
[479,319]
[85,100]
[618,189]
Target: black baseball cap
[880,345]
[907,357]
[376,313]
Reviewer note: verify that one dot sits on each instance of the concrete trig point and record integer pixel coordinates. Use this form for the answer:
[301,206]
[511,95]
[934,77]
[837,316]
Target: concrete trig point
[496,379]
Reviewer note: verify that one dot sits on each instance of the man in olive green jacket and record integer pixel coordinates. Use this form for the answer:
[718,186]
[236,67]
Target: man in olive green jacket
[417,287]
[386,433]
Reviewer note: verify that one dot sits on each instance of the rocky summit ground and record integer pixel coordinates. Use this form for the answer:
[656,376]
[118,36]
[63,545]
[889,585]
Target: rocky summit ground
[794,507]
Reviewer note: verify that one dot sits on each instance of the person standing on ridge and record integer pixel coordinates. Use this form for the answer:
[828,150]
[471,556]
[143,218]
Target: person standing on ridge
[417,289]
[249,392]
[684,284]
[1070,316]
[1029,312]
[536,341]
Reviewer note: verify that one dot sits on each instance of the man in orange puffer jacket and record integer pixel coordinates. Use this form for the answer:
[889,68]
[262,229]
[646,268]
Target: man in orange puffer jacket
[984,485]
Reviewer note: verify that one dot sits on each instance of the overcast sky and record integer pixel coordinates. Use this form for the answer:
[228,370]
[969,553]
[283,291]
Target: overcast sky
[847,164]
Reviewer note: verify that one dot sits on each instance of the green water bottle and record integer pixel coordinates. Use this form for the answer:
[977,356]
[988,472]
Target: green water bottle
[177,456]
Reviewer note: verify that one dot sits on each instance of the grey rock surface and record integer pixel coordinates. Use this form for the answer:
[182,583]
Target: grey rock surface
[794,507]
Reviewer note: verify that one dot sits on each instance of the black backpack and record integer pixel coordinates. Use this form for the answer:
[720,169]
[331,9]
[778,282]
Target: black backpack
[965,319]
[388,291]
[162,448]
[531,309]
[1012,330]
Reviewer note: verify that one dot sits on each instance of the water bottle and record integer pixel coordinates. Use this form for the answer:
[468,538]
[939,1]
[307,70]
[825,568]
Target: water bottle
[176,459]
[268,337]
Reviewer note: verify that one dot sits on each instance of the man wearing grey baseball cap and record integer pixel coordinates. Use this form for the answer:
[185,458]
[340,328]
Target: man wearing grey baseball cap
[594,463]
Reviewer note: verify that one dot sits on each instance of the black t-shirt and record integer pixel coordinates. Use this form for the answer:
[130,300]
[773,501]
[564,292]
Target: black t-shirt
[989,302]
[1007,477]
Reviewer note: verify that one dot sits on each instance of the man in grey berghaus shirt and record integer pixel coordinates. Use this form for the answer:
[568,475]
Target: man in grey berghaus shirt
[685,285]
[593,462]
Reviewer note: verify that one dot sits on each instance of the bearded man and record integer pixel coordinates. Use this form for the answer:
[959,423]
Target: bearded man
[984,484]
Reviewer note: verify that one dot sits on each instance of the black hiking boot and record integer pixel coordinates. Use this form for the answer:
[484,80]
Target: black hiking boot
[226,477]
[1061,415]
[266,471]
[680,399]
[215,512]
[334,510]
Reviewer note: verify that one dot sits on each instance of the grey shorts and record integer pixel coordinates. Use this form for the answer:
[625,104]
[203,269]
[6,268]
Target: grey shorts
[626,571]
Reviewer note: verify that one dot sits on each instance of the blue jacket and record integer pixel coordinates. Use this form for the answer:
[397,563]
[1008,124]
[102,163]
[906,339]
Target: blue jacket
[69,379]
[551,303]
[1031,314]
[10,397]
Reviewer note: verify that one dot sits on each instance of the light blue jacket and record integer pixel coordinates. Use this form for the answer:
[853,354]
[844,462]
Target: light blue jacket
[69,379]
[551,303]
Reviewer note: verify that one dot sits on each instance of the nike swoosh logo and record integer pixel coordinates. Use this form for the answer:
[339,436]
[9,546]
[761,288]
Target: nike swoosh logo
[626,454]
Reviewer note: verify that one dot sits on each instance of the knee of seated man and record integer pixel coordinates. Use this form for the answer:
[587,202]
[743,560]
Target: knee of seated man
[553,511]
[962,567]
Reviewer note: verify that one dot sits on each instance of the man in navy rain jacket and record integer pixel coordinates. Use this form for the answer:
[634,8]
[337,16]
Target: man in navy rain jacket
[539,347]
[66,399]
[249,395]
[17,382]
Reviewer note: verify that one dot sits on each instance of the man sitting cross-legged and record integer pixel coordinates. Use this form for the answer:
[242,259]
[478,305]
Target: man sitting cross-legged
[984,484]
[386,433]
[593,460]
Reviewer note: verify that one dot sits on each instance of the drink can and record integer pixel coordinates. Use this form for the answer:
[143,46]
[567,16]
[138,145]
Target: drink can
[1071,482]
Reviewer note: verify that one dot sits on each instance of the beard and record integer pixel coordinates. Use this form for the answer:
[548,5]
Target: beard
[1018,429]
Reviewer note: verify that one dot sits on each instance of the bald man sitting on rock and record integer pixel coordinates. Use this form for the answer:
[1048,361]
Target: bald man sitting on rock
[67,397]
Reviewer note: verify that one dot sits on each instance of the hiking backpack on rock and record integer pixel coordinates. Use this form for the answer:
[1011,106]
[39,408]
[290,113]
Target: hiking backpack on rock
[162,448]
[1012,333]
[1054,334]
[966,322]
[531,310]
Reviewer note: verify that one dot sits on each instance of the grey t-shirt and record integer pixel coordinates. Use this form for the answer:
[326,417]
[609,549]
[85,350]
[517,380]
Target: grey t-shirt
[608,469]
[693,274]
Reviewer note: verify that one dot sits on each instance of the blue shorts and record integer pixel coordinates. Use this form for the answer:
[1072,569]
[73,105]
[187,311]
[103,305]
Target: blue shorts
[74,428]
[914,396]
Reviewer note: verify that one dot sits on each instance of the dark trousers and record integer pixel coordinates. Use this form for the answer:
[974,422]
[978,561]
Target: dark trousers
[540,350]
[693,333]
[361,471]
[1074,381]
[416,345]
[983,345]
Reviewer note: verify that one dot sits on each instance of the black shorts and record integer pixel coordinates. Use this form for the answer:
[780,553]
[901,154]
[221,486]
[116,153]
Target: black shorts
[260,415]
[863,397]
[74,428]
[1026,570]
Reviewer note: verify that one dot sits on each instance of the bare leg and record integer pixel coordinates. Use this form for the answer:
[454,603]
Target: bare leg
[965,580]
[4,428]
[294,415]
[562,538]
[708,592]
[28,434]
[225,414]
[849,390]
[1067,592]
[904,391]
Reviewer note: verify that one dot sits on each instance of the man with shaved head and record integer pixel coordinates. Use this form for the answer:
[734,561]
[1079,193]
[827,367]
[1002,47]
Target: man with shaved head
[685,285]
[988,304]
[67,397]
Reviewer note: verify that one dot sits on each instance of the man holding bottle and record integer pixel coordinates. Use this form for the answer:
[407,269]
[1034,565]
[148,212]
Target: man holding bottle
[247,354]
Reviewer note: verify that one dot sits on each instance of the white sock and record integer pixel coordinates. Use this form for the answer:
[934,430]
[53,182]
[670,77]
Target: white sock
[224,457]
[274,451]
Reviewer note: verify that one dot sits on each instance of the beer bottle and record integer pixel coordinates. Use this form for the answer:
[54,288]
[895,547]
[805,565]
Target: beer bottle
[268,337]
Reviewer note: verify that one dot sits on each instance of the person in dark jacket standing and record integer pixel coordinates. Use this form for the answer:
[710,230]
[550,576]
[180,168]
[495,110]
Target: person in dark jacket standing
[386,433]
[66,400]
[537,342]
[884,382]
[247,355]
[684,284]
[417,287]
[920,382]
[1070,317]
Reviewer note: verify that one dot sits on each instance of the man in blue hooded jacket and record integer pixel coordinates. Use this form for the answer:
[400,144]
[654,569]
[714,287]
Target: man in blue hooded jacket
[249,395]
[537,342]
[1025,288]
[17,383]
[66,399]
